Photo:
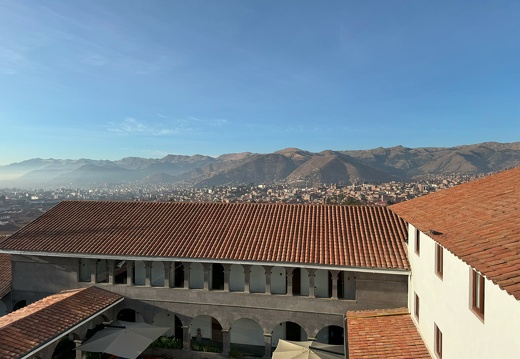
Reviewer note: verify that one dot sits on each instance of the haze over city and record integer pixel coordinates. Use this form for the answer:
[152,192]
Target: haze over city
[107,80]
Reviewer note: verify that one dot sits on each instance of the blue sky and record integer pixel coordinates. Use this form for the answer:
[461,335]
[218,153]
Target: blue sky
[112,79]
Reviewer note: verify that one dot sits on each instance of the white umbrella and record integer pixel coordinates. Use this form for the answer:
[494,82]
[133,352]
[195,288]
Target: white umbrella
[124,339]
[307,350]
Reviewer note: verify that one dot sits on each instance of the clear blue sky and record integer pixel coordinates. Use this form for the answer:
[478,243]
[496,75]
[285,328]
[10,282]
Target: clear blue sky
[111,79]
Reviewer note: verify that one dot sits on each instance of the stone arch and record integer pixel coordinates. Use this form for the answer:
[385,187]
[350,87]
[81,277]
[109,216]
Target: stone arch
[20,304]
[129,315]
[206,330]
[165,318]
[247,337]
[157,274]
[64,349]
[236,278]
[288,331]
[257,279]
[331,334]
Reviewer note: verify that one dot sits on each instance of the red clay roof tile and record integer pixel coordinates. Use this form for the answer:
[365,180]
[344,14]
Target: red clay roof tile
[479,222]
[5,272]
[357,236]
[388,333]
[28,328]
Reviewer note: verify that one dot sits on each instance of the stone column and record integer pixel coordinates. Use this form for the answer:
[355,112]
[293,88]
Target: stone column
[227,269]
[111,267]
[148,273]
[247,277]
[268,342]
[129,272]
[93,270]
[167,270]
[206,267]
[334,274]
[186,269]
[268,279]
[79,353]
[289,272]
[226,342]
[186,342]
[311,282]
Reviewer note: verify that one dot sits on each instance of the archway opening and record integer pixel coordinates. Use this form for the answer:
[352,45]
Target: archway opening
[288,331]
[178,275]
[247,338]
[206,334]
[331,334]
[64,349]
[217,276]
[173,337]
[120,271]
[19,304]
[130,315]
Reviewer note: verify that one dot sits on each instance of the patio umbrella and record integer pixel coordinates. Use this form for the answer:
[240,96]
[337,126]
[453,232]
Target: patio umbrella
[124,339]
[307,350]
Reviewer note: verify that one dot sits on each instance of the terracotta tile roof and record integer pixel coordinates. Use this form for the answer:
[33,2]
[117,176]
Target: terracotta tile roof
[30,327]
[360,236]
[479,222]
[5,274]
[388,333]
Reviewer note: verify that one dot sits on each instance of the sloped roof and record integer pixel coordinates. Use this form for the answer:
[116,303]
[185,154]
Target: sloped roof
[29,328]
[360,236]
[388,333]
[479,222]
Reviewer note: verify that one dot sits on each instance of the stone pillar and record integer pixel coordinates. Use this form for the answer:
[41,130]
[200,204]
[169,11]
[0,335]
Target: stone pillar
[226,342]
[334,275]
[206,267]
[111,267]
[167,270]
[289,272]
[268,279]
[186,342]
[129,272]
[93,270]
[148,275]
[186,269]
[247,277]
[311,282]
[79,353]
[227,269]
[268,342]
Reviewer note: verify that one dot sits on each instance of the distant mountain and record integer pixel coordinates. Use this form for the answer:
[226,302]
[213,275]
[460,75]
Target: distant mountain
[290,165]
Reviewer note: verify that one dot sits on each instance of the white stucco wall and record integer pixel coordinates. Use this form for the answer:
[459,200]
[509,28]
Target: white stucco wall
[446,302]
[246,331]
[257,279]
[278,279]
[321,282]
[139,273]
[236,278]
[202,322]
[157,274]
[304,282]
[196,276]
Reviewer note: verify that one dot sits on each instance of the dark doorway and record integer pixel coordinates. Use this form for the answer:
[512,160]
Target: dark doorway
[216,331]
[217,276]
[335,335]
[126,315]
[292,331]
[120,272]
[178,329]
[20,304]
[178,275]
[330,284]
[341,286]
[296,281]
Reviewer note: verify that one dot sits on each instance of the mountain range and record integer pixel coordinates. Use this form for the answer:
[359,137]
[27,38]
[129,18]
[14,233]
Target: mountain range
[289,166]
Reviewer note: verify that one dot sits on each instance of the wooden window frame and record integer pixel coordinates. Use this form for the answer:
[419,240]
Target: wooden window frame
[438,341]
[439,260]
[416,306]
[477,293]
[417,242]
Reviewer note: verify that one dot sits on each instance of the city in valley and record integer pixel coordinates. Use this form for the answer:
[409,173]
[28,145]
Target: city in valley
[20,206]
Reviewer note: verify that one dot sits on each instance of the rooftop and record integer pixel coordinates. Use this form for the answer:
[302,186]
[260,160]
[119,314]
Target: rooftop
[478,222]
[388,333]
[356,236]
[28,329]
[5,272]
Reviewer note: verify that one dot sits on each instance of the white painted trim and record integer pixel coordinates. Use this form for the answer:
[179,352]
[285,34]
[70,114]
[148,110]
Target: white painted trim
[50,341]
[212,260]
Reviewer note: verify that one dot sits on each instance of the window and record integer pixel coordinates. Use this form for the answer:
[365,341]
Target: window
[438,341]
[416,306]
[417,242]
[477,293]
[439,260]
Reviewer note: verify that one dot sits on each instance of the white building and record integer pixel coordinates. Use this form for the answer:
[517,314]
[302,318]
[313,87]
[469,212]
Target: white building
[464,253]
